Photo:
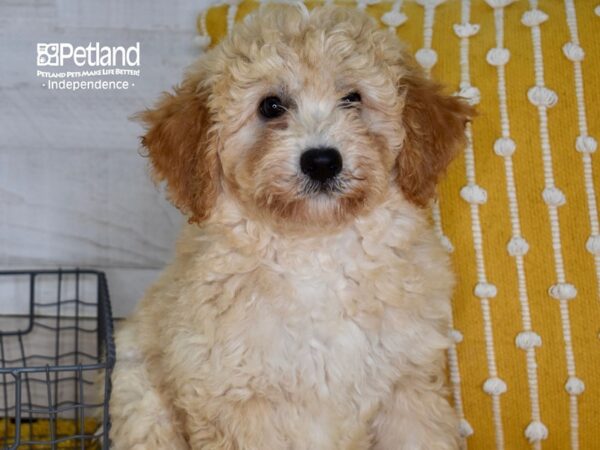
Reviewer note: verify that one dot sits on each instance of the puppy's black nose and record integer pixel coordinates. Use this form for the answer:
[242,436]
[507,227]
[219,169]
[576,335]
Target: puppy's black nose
[321,164]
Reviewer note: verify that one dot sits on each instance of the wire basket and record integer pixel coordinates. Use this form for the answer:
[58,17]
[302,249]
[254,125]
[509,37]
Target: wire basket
[56,357]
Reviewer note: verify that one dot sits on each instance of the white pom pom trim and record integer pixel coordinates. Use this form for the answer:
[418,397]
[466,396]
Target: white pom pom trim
[593,245]
[533,17]
[597,10]
[202,41]
[517,246]
[527,340]
[432,3]
[485,290]
[542,96]
[562,291]
[499,3]
[498,56]
[471,94]
[456,336]
[553,196]
[465,30]
[586,144]
[504,146]
[394,18]
[464,428]
[494,386]
[573,52]
[426,57]
[445,241]
[574,386]
[536,431]
[474,194]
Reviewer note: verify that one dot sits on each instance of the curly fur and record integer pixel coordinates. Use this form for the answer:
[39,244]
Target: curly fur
[289,319]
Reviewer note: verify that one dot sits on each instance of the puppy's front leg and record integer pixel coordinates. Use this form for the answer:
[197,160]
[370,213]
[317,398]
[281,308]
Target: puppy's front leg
[141,419]
[416,417]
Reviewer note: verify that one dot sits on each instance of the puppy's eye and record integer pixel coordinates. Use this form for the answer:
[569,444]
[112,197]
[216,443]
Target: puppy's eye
[351,99]
[271,107]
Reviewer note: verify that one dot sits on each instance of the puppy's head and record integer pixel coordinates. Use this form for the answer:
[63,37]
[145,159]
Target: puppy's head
[306,119]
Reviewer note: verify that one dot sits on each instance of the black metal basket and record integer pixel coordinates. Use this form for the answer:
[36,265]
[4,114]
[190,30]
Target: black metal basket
[56,357]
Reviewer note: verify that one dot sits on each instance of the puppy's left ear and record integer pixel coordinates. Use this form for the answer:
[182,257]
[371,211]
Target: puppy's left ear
[182,151]
[434,125]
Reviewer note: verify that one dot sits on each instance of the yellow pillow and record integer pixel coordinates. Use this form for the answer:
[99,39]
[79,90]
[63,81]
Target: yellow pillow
[517,209]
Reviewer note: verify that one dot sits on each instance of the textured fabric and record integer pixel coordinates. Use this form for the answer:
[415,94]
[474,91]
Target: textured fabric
[517,209]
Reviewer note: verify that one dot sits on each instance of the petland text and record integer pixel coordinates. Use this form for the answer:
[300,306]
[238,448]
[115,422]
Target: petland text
[92,55]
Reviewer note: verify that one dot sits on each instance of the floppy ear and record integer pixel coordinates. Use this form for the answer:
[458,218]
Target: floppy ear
[434,125]
[182,152]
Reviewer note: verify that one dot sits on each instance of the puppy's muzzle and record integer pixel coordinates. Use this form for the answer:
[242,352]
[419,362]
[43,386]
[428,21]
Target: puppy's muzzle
[321,164]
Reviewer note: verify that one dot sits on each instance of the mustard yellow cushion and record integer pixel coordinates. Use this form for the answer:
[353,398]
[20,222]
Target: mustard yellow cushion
[42,431]
[517,209]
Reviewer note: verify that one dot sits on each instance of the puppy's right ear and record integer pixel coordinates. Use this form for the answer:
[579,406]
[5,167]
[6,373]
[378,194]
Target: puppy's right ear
[182,151]
[435,133]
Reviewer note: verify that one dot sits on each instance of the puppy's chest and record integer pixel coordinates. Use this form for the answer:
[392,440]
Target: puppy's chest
[324,320]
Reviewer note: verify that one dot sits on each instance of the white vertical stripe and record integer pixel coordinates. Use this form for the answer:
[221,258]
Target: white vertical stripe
[394,17]
[203,39]
[428,19]
[231,13]
[584,143]
[517,247]
[427,57]
[543,98]
[203,30]
[456,338]
[475,195]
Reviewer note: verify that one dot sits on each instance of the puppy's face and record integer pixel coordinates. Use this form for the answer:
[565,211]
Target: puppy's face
[307,119]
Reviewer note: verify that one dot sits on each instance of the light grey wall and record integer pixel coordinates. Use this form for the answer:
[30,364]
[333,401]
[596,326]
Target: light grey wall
[73,189]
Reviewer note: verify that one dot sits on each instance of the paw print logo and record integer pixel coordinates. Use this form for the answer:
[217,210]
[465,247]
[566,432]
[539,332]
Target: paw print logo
[47,54]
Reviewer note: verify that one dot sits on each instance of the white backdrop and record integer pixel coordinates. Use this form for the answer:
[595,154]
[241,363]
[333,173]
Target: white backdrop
[74,191]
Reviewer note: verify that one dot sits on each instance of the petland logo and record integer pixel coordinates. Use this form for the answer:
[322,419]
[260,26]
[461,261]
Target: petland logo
[69,67]
[93,55]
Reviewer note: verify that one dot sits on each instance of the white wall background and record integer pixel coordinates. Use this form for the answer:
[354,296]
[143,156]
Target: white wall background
[74,191]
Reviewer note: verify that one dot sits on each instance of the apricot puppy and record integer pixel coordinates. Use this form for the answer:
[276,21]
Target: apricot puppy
[307,306]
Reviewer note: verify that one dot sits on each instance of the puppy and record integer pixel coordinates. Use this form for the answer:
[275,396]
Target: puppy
[307,306]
